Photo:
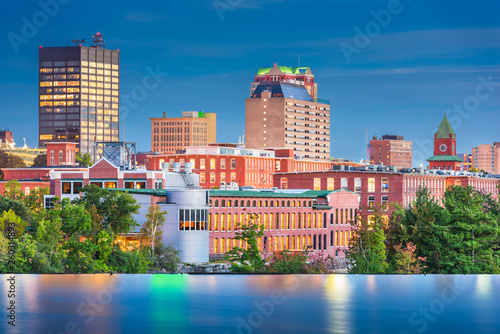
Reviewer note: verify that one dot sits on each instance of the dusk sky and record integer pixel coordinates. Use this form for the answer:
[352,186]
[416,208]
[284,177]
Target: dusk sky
[421,61]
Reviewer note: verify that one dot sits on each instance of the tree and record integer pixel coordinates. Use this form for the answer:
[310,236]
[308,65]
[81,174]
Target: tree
[421,224]
[367,250]
[110,210]
[85,160]
[152,227]
[18,207]
[11,226]
[288,262]
[9,161]
[406,260]
[248,259]
[49,237]
[40,161]
[13,190]
[35,200]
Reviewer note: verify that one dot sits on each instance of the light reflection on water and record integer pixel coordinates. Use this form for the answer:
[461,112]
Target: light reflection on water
[254,304]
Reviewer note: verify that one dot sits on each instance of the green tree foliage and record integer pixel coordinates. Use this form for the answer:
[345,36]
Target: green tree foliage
[9,161]
[461,237]
[248,259]
[110,210]
[152,227]
[34,201]
[40,161]
[85,160]
[13,190]
[18,207]
[288,262]
[367,250]
[11,225]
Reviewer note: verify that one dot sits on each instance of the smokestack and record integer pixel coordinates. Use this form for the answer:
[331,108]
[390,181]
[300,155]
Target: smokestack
[164,114]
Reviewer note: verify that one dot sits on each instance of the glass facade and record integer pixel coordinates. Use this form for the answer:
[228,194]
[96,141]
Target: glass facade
[79,95]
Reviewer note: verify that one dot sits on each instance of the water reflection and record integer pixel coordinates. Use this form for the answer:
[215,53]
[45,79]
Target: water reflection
[245,304]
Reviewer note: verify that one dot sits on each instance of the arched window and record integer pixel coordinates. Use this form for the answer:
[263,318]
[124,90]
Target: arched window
[229,203]
[319,241]
[242,203]
[236,203]
[357,184]
[288,204]
[223,203]
[282,204]
[248,204]
[304,204]
[265,204]
[331,238]
[324,241]
[343,183]
[254,204]
[314,241]
[216,203]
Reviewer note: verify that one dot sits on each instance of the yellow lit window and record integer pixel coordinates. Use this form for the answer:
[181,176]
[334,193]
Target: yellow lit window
[212,163]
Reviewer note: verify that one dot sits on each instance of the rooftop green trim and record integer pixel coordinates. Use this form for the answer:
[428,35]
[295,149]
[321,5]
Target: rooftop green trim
[445,129]
[444,158]
[284,69]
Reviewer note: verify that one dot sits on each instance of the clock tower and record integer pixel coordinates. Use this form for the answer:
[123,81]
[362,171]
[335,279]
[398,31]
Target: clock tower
[445,148]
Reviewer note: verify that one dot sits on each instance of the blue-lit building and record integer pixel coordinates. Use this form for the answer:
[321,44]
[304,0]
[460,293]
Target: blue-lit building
[282,113]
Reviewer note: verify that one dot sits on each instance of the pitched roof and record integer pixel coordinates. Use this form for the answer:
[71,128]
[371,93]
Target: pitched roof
[445,129]
[444,158]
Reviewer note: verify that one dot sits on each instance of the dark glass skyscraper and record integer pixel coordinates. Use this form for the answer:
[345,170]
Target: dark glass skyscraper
[79,95]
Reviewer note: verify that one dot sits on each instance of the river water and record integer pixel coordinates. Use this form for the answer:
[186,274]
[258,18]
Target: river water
[252,304]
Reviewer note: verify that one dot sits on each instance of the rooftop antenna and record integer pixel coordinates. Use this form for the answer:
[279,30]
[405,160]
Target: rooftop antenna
[98,40]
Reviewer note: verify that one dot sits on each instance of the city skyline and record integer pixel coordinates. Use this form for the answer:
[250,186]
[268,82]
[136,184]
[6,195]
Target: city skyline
[401,79]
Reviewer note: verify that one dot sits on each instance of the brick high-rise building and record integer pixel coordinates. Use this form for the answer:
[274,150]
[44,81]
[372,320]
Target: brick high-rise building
[173,135]
[487,157]
[391,151]
[79,99]
[296,75]
[6,137]
[284,113]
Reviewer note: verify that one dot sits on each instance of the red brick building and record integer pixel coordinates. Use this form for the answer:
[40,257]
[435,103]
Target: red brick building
[319,220]
[223,165]
[391,151]
[383,187]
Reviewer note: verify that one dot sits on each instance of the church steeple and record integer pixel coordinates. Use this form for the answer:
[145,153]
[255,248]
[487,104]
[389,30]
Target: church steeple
[445,129]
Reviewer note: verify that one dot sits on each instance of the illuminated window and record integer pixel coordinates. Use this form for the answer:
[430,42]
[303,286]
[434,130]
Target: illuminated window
[212,177]
[330,184]
[371,201]
[317,183]
[233,177]
[371,185]
[202,163]
[222,177]
[222,163]
[212,163]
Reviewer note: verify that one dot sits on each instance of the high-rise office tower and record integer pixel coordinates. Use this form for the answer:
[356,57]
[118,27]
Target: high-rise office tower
[79,94]
[284,112]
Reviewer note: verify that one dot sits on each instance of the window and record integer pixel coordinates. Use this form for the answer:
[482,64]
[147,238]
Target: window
[233,163]
[222,163]
[371,201]
[233,177]
[193,219]
[212,163]
[284,183]
[202,163]
[48,201]
[385,202]
[212,177]
[202,177]
[357,184]
[330,183]
[371,185]
[222,178]
[109,184]
[61,157]
[343,183]
[385,184]
[52,158]
[317,183]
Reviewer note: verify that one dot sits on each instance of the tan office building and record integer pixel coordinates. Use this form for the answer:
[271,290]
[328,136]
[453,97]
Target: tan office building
[173,135]
[281,114]
[487,157]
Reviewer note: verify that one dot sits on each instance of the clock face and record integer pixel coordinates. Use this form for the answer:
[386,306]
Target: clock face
[443,147]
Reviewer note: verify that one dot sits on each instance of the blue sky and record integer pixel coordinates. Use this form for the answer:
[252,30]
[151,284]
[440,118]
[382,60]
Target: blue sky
[424,58]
